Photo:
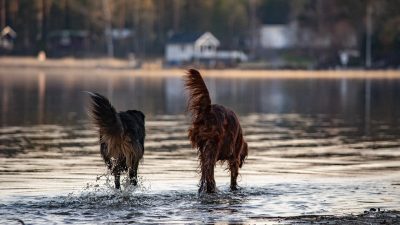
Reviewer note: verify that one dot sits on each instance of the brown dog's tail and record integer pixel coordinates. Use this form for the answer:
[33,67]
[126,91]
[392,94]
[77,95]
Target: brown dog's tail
[199,101]
[105,117]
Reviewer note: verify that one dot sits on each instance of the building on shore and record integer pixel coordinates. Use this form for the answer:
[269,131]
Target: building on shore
[199,49]
[290,45]
[7,38]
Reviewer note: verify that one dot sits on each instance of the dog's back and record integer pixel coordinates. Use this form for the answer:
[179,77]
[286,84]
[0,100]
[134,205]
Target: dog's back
[230,131]
[133,123]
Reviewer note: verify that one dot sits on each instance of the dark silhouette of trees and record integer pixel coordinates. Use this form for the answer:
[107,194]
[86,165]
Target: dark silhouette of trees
[234,22]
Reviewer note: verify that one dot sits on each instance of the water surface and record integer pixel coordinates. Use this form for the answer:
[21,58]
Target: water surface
[317,146]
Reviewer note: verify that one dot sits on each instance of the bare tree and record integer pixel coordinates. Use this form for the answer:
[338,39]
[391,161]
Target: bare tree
[253,27]
[108,28]
[3,14]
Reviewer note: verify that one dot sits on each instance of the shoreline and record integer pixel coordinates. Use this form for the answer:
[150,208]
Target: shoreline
[123,67]
[373,216]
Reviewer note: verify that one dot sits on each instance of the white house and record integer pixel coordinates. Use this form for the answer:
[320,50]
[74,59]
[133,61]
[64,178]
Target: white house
[288,36]
[187,47]
[277,36]
[7,38]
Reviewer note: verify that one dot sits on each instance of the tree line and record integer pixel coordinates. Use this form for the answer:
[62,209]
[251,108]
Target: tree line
[234,22]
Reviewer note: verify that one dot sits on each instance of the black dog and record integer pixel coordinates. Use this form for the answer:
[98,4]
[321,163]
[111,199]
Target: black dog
[121,137]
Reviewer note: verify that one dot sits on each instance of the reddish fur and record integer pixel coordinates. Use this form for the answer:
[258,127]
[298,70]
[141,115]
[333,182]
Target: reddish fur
[215,132]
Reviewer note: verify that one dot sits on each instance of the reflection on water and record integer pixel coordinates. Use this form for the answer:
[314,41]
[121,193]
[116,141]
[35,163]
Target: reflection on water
[313,150]
[53,98]
[297,165]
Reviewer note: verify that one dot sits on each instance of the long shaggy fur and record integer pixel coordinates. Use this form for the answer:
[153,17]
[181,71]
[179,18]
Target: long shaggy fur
[215,132]
[121,137]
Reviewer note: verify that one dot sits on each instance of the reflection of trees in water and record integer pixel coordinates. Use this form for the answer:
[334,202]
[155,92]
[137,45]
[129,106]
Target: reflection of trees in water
[174,96]
[55,98]
[41,96]
[305,96]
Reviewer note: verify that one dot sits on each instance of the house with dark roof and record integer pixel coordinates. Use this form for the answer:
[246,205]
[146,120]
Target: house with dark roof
[63,43]
[184,48]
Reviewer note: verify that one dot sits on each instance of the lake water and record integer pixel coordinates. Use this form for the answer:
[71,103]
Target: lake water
[316,147]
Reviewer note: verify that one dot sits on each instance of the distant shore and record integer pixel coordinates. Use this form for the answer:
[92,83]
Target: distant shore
[124,67]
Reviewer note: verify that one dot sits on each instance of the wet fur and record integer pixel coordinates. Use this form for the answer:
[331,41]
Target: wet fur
[121,137]
[215,132]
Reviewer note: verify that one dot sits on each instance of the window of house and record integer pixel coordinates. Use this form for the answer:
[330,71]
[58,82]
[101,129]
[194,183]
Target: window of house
[206,48]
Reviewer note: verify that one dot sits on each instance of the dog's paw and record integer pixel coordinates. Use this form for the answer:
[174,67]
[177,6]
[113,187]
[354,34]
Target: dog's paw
[133,182]
[234,188]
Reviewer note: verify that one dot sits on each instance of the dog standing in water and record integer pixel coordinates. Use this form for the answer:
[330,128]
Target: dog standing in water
[121,137]
[215,132]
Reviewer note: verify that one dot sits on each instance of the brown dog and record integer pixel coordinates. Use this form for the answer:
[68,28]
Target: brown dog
[215,132]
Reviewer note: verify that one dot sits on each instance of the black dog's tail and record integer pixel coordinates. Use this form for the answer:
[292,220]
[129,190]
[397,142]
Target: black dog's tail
[105,117]
[199,102]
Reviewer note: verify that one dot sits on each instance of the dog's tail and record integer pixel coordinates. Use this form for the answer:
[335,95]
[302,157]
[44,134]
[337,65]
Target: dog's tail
[199,101]
[105,117]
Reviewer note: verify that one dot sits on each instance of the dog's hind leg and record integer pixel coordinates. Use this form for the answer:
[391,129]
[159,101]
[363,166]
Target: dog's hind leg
[117,180]
[117,174]
[208,161]
[234,168]
[236,161]
[133,173]
[110,164]
[207,182]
